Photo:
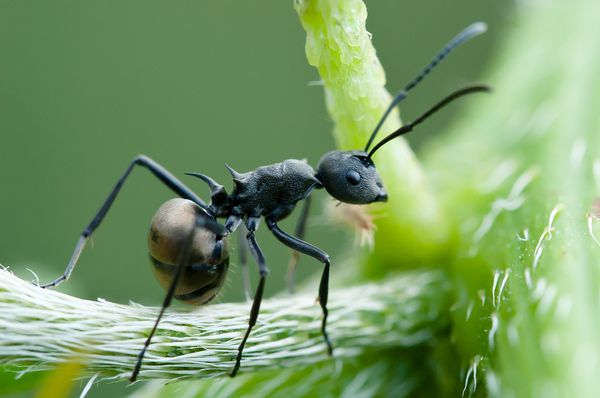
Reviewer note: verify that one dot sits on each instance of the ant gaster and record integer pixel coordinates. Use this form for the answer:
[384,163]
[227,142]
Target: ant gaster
[188,247]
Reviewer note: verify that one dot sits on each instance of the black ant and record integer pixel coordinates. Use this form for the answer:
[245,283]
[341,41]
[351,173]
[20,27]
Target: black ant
[188,247]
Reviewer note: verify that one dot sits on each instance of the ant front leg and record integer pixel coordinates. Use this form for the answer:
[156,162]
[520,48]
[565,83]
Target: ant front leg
[165,177]
[300,230]
[318,254]
[251,225]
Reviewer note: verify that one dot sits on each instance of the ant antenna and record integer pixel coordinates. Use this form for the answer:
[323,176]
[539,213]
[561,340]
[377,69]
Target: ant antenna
[407,128]
[468,33]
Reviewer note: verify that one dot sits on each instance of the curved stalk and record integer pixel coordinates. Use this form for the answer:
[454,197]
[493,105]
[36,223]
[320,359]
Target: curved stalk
[40,329]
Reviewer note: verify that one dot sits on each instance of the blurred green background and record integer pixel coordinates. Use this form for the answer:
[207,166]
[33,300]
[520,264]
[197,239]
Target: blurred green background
[85,86]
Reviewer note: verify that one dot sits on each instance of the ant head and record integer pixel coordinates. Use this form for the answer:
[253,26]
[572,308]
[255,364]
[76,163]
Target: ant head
[351,177]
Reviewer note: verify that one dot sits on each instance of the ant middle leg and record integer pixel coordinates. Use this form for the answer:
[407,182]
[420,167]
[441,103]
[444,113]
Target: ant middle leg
[318,254]
[234,221]
[251,225]
[243,251]
[165,177]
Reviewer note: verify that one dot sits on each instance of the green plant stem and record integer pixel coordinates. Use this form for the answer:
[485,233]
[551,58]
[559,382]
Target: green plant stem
[521,174]
[42,328]
[339,46]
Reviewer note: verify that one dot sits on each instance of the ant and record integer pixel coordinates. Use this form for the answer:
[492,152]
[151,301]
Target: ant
[189,248]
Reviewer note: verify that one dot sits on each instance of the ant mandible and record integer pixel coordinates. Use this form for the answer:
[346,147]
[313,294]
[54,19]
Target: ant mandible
[188,247]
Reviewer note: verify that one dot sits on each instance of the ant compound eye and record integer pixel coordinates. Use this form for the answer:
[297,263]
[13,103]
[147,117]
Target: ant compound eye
[353,177]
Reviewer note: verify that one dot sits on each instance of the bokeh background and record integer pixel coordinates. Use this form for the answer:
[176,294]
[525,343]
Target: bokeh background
[85,86]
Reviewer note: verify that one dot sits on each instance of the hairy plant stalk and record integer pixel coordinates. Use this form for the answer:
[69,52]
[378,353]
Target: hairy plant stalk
[42,328]
[522,177]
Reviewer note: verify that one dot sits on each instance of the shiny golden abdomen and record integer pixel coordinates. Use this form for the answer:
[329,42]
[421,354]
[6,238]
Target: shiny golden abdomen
[206,270]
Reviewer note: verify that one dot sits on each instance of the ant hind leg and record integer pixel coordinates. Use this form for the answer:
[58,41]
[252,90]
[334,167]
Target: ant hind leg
[182,262]
[159,172]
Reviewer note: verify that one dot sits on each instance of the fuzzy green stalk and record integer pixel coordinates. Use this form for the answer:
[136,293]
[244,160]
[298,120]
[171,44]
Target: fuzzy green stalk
[339,46]
[40,329]
[521,176]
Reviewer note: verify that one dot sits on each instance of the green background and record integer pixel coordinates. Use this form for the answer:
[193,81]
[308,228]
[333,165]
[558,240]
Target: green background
[85,86]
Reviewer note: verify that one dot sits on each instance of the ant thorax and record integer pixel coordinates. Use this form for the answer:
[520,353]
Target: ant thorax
[272,191]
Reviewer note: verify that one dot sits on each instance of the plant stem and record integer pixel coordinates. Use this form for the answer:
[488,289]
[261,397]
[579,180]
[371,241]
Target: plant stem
[42,328]
[521,175]
[339,46]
